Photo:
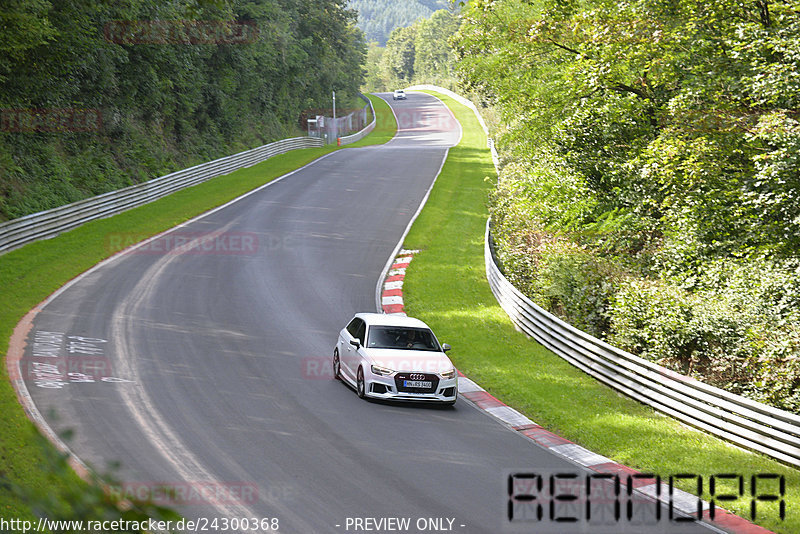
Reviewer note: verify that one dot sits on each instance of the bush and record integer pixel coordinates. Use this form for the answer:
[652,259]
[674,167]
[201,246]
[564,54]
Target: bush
[666,324]
[563,278]
[730,323]
[735,339]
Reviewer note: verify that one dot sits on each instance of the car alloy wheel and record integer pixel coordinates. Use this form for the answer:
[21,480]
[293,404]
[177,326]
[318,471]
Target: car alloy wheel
[360,386]
[337,366]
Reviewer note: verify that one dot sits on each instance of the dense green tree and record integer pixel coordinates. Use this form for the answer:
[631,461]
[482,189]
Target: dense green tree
[433,57]
[373,81]
[653,158]
[399,57]
[170,84]
[23,26]
[378,18]
[420,53]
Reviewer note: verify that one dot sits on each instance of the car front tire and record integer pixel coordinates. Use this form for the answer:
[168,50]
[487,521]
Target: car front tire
[337,365]
[361,387]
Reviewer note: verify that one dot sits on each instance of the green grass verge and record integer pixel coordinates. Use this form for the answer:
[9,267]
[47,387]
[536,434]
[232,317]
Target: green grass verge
[385,125]
[446,287]
[31,273]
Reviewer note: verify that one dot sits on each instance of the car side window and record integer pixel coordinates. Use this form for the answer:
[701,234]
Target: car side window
[352,328]
[358,329]
[361,333]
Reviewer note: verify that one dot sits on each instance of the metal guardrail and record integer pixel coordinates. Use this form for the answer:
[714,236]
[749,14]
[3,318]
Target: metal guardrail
[346,140]
[742,421]
[47,224]
[50,223]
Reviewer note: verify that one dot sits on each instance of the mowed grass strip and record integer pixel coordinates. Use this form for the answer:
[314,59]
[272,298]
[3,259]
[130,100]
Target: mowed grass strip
[385,125]
[446,287]
[31,273]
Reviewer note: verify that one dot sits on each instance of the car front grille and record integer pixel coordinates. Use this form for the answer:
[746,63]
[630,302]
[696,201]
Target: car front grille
[400,379]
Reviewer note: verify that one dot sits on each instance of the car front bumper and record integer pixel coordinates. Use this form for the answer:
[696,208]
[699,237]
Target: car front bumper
[384,387]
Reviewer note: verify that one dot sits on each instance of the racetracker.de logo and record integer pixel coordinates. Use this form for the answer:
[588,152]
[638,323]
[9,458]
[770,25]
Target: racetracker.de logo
[194,243]
[317,368]
[189,32]
[185,493]
[52,120]
[425,118]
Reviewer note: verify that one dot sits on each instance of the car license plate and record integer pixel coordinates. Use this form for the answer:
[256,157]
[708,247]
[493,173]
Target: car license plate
[417,383]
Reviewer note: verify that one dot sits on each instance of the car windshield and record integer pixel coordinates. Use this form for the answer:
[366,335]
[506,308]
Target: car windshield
[401,337]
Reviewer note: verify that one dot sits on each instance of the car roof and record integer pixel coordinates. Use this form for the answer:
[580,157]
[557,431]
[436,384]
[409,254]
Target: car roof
[386,319]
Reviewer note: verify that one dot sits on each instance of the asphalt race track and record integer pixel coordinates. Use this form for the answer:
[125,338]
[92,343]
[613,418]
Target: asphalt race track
[211,365]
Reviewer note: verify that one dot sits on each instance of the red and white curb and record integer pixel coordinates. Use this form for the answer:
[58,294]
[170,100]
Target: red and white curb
[686,503]
[392,294]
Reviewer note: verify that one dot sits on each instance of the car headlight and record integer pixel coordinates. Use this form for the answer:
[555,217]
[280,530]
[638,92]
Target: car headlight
[449,374]
[378,370]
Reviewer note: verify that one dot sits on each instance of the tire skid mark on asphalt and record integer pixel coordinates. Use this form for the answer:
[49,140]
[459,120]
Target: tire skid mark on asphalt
[139,403]
[19,337]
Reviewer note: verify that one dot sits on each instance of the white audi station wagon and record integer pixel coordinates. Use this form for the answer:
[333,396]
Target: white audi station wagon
[394,357]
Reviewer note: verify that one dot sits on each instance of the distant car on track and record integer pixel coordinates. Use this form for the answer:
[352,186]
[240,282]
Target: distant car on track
[399,94]
[394,357]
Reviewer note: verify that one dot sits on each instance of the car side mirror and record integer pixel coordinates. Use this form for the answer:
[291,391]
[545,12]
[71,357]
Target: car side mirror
[356,343]
[446,347]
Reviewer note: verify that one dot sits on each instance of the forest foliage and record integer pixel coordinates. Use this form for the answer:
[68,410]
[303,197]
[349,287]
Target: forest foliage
[419,53]
[378,18]
[650,188]
[96,95]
